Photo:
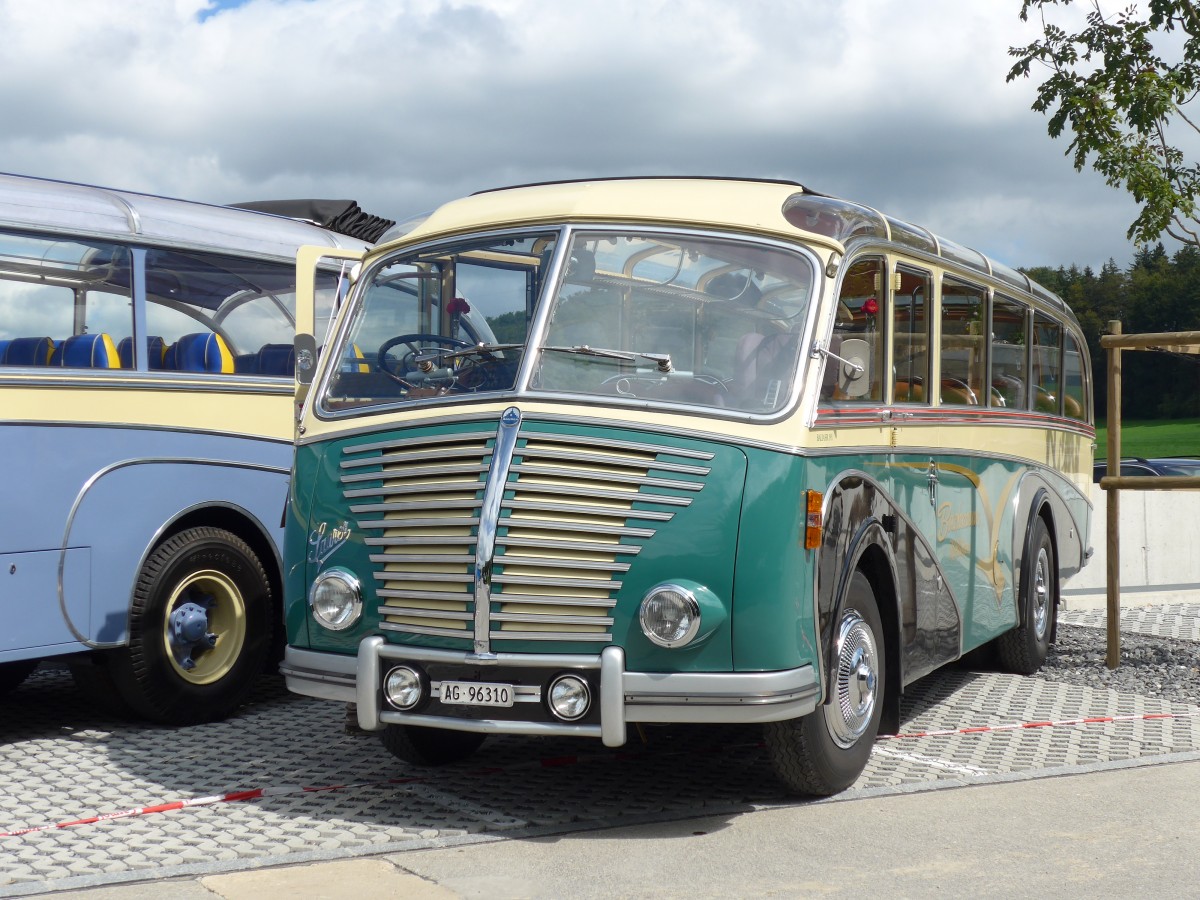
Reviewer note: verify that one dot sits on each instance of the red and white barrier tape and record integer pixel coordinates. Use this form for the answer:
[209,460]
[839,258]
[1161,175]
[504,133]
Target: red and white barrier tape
[1018,726]
[544,763]
[278,790]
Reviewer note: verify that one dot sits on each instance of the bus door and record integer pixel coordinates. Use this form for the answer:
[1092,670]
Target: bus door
[305,341]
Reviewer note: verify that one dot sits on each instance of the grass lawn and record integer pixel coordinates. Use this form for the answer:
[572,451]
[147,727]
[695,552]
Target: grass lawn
[1162,437]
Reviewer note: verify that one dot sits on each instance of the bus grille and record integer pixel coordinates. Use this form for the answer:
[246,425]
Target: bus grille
[564,533]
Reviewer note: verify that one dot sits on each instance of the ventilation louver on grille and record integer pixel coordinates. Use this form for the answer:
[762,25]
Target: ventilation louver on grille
[563,538]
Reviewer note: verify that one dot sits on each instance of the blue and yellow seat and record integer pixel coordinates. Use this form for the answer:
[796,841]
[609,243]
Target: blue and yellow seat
[86,351]
[200,352]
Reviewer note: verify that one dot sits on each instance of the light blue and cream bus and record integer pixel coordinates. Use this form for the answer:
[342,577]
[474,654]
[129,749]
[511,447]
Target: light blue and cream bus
[593,455]
[146,423]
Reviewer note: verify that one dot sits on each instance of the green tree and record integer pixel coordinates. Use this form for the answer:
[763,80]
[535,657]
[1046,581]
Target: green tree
[1122,86]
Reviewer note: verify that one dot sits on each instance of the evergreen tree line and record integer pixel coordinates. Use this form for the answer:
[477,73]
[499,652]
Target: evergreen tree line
[1156,293]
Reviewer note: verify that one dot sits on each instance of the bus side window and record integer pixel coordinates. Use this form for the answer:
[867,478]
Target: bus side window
[910,337]
[962,348]
[1075,391]
[1009,379]
[1047,346]
[65,302]
[222,314]
[857,336]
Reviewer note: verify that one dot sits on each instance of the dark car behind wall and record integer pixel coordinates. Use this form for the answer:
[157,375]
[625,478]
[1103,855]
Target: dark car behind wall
[1160,466]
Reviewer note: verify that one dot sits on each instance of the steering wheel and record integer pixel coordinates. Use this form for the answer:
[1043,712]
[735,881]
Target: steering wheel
[714,381]
[414,343]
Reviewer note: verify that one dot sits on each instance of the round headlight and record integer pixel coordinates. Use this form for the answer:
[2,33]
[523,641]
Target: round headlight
[670,615]
[569,697]
[336,599]
[403,687]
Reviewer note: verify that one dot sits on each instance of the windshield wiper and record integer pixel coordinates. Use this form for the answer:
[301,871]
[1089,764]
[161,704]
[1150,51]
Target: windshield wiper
[662,360]
[428,355]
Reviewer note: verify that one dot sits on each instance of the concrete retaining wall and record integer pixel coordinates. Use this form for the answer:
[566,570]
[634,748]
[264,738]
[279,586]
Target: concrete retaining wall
[1160,551]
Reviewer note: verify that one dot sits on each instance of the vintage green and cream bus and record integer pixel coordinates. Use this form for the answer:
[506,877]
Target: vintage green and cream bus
[592,455]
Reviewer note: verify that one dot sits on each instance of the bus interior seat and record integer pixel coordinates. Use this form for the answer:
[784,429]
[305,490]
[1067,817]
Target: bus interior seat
[355,361]
[909,391]
[1012,389]
[276,359]
[156,346]
[958,392]
[762,364]
[28,351]
[199,352]
[269,359]
[86,351]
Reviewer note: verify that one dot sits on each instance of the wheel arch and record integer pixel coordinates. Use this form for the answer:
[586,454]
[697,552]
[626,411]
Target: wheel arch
[1042,508]
[166,496]
[871,554]
[866,528]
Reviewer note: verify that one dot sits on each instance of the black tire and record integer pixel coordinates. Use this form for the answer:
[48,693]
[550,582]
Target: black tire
[13,674]
[1023,650]
[430,746]
[167,679]
[824,752]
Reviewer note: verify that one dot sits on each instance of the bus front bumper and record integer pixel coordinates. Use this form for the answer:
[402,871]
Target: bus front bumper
[623,696]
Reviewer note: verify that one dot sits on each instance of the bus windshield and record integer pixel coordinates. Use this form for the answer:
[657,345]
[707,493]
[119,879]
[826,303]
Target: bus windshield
[632,316]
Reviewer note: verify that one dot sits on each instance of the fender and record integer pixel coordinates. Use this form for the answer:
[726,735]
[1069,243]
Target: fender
[1040,501]
[869,534]
[916,604]
[166,489]
[1069,514]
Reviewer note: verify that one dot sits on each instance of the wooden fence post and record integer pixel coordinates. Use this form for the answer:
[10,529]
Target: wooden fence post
[1113,560]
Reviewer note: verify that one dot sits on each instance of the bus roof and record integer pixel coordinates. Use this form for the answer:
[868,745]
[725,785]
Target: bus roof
[40,204]
[774,208]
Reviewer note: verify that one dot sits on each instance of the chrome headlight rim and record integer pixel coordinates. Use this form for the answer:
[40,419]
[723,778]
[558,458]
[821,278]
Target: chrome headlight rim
[351,584]
[691,604]
[587,695]
[421,685]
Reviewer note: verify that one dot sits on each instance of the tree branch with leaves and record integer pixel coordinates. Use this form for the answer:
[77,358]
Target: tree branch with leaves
[1121,86]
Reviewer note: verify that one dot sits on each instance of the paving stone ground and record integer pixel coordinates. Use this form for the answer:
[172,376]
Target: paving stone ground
[329,793]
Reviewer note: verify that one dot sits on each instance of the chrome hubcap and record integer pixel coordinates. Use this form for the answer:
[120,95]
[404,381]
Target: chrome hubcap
[1041,594]
[856,679]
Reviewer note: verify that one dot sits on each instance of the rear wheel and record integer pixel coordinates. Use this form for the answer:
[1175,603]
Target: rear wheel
[1024,649]
[430,746]
[824,752]
[200,629]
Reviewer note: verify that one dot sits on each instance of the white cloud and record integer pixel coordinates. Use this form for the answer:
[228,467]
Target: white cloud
[402,104]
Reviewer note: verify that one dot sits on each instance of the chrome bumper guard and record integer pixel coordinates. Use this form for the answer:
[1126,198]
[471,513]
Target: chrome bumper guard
[713,697]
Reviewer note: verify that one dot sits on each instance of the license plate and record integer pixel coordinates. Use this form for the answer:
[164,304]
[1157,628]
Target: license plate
[477,693]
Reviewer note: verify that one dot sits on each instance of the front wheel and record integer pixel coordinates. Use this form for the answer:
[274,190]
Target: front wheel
[1024,649]
[824,752]
[200,629]
[430,746]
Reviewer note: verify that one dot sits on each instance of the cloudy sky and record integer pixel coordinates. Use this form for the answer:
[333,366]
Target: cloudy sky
[403,104]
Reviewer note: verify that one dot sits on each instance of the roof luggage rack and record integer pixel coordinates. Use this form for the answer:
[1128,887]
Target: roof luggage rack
[343,216]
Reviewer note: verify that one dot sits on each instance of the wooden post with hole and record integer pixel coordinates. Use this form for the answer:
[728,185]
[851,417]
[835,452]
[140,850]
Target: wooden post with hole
[1113,560]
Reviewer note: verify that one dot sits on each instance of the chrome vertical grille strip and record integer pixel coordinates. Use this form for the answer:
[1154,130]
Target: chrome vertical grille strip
[485,547]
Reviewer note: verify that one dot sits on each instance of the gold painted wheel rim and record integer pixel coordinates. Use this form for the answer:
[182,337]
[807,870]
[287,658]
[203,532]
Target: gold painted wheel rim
[226,619]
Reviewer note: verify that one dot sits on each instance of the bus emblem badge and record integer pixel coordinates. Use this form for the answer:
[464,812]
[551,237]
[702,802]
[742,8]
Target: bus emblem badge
[323,541]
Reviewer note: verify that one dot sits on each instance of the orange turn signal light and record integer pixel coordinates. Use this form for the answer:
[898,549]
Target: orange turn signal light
[812,519]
